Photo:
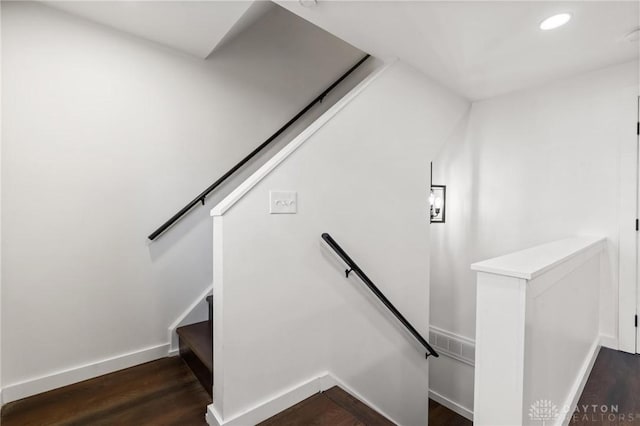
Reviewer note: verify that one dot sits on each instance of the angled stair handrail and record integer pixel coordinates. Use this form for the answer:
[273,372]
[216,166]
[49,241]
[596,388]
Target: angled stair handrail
[353,267]
[203,195]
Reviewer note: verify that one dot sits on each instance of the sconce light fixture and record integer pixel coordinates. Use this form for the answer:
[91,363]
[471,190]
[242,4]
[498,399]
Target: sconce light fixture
[437,201]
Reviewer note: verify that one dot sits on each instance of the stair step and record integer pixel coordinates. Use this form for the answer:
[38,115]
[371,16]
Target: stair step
[196,348]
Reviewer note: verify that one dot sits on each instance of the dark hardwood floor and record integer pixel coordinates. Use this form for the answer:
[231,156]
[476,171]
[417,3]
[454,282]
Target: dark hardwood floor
[165,392]
[337,407]
[612,393]
[332,407]
[356,407]
[439,415]
[162,392]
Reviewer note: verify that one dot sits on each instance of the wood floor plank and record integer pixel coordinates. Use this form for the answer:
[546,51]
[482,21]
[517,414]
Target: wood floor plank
[439,415]
[317,410]
[165,386]
[337,407]
[357,408]
[614,384]
[182,404]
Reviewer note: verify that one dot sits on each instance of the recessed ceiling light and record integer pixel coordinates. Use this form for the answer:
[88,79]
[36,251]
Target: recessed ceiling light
[555,21]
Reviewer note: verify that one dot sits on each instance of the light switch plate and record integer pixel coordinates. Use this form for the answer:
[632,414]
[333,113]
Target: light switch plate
[283,202]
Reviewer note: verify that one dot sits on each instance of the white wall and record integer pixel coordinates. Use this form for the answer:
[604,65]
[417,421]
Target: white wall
[533,167]
[105,136]
[284,311]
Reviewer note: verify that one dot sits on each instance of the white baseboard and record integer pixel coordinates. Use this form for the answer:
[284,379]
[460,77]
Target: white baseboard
[69,376]
[268,408]
[286,399]
[609,341]
[451,405]
[209,417]
[578,386]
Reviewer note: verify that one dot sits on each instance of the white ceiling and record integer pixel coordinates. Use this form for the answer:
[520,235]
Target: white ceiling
[479,49]
[195,27]
[482,49]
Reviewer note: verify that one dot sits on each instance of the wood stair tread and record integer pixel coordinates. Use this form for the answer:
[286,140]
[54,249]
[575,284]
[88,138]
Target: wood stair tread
[198,337]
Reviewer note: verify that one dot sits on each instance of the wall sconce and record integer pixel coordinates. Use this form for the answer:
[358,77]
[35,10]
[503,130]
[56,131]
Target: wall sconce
[437,201]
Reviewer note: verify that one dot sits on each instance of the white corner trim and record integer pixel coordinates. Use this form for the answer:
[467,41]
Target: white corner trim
[77,374]
[285,152]
[609,341]
[578,385]
[178,322]
[451,405]
[284,400]
[209,417]
[212,417]
[627,244]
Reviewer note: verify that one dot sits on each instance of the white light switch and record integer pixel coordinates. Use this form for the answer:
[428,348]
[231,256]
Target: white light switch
[283,202]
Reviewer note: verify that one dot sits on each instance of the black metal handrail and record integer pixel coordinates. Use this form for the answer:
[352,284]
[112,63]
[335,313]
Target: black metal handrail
[353,267]
[203,195]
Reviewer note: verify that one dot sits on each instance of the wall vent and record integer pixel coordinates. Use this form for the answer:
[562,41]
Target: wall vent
[453,345]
